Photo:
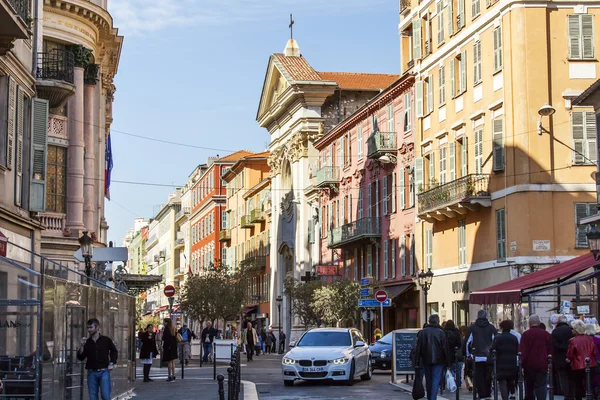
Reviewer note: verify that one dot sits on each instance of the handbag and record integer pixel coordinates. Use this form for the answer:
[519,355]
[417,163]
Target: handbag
[450,383]
[418,391]
[179,337]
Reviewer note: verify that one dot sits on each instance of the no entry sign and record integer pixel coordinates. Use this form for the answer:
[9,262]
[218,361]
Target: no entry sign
[170,291]
[381,296]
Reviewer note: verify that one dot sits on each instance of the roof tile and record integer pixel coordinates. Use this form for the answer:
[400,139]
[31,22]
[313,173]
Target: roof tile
[297,68]
[236,156]
[357,80]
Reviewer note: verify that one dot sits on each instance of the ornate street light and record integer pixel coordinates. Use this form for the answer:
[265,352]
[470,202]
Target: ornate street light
[279,299]
[593,236]
[87,249]
[425,279]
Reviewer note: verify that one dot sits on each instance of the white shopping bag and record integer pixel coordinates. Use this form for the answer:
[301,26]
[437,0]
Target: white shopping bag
[450,383]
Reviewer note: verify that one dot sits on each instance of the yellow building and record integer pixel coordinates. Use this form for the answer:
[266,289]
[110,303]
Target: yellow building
[504,163]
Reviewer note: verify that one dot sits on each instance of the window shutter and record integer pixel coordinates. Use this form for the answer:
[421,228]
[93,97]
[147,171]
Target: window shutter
[475,8]
[385,195]
[385,259]
[407,116]
[577,129]
[392,190]
[403,255]
[476,62]
[452,160]
[419,101]
[428,249]
[461,14]
[574,27]
[440,21]
[377,200]
[498,141]
[443,165]
[11,123]
[370,201]
[39,134]
[360,203]
[412,254]
[442,84]
[419,174]
[402,190]
[587,35]
[359,139]
[478,151]
[462,243]
[590,132]
[463,71]
[417,41]
[343,151]
[430,94]
[431,168]
[497,49]
[500,235]
[311,235]
[390,120]
[19,154]
[393,257]
[450,18]
[464,158]
[452,78]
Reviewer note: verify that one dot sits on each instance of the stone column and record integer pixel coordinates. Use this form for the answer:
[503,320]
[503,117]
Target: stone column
[89,183]
[75,164]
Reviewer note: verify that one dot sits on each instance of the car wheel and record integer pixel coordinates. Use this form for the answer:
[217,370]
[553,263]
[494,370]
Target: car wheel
[367,376]
[288,383]
[350,380]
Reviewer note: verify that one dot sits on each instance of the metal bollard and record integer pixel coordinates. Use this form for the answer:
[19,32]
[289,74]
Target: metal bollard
[588,380]
[182,365]
[550,378]
[230,383]
[474,374]
[231,353]
[214,360]
[239,375]
[520,363]
[201,351]
[494,375]
[456,371]
[221,378]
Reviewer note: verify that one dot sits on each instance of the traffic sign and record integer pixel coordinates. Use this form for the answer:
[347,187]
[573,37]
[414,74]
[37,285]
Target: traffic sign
[381,296]
[365,292]
[373,303]
[365,281]
[169,291]
[368,315]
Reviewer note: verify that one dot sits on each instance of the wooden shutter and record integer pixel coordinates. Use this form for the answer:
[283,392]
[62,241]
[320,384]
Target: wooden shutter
[419,174]
[477,75]
[417,41]
[377,200]
[412,254]
[370,201]
[461,14]
[11,123]
[393,257]
[462,243]
[574,29]
[343,151]
[402,190]
[385,195]
[497,49]
[587,35]
[359,139]
[440,21]
[450,18]
[20,122]
[578,132]
[419,100]
[452,78]
[390,119]
[407,118]
[464,157]
[385,259]
[429,249]
[475,8]
[403,255]
[431,168]
[590,134]
[39,134]
[452,160]
[500,235]
[442,84]
[478,151]
[463,71]
[392,190]
[442,165]
[498,142]
[430,94]
[359,211]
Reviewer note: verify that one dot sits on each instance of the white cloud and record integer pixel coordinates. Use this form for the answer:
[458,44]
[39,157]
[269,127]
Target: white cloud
[136,17]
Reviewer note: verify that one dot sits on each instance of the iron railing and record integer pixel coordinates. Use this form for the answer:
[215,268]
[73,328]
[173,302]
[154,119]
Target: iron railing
[225,234]
[459,190]
[356,230]
[56,65]
[380,143]
[257,215]
[254,261]
[327,175]
[22,8]
[245,222]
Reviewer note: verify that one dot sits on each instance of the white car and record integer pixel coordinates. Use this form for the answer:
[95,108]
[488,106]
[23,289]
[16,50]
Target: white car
[340,354]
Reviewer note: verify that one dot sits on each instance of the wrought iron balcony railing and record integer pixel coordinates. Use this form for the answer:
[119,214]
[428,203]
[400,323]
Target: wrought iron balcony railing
[257,215]
[381,143]
[465,189]
[254,262]
[245,222]
[56,65]
[224,235]
[22,8]
[368,227]
[328,176]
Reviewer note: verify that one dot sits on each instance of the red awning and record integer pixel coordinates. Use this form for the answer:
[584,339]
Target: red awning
[510,292]
[159,309]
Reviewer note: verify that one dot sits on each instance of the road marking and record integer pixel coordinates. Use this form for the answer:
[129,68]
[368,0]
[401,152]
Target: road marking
[250,392]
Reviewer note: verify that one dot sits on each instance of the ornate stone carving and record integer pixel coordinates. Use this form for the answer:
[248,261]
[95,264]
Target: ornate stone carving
[408,228]
[299,143]
[406,154]
[81,55]
[373,168]
[274,161]
[90,77]
[6,44]
[358,176]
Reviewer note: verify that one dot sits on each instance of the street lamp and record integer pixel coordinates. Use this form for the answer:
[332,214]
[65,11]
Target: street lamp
[425,279]
[87,250]
[593,236]
[279,300]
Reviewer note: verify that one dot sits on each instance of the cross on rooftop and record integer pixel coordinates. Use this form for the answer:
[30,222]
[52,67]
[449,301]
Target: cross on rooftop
[291,27]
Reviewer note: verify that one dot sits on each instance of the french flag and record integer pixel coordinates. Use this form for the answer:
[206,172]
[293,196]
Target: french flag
[108,166]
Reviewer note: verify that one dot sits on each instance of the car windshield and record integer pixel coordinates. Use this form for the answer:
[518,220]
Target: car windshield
[325,338]
[387,339]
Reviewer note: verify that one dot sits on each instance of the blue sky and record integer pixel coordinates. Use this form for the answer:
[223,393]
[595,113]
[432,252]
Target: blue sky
[191,71]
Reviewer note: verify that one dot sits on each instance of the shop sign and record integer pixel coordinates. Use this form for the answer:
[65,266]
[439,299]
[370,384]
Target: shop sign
[460,287]
[14,324]
[565,307]
[327,270]
[583,309]
[541,245]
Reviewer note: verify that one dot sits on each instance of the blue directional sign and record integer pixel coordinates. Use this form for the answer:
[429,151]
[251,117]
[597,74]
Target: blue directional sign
[365,281]
[373,303]
[365,292]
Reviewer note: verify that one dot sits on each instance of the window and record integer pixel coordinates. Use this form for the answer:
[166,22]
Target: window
[407,119]
[429,94]
[440,22]
[581,36]
[385,195]
[498,143]
[393,257]
[475,8]
[359,210]
[369,260]
[402,190]
[56,193]
[479,150]
[359,140]
[411,189]
[460,17]
[385,259]
[417,40]
[433,308]
[452,160]
[442,85]
[477,63]
[392,191]
[224,255]
[458,74]
[583,128]
[501,234]
[443,165]
[428,249]
[497,49]
[403,256]
[583,210]
[462,243]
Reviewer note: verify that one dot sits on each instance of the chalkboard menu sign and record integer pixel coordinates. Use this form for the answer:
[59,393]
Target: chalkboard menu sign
[404,341]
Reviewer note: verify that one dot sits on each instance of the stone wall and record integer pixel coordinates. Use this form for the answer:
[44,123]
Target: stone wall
[340,106]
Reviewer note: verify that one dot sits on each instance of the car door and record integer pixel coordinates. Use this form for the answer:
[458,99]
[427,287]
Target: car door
[357,352]
[363,352]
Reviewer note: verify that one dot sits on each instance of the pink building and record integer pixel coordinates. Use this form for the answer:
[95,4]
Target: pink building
[367,196]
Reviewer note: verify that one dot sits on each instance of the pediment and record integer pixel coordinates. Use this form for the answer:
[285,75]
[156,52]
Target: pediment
[275,83]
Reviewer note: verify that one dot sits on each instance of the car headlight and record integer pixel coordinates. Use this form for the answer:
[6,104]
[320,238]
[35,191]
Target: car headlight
[383,354]
[338,361]
[288,361]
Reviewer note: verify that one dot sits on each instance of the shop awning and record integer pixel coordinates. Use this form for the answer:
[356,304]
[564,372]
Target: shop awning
[510,292]
[397,290]
[159,309]
[250,310]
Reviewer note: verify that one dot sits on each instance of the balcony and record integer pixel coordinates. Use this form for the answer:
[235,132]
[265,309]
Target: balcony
[54,224]
[55,76]
[254,262]
[14,23]
[455,198]
[257,216]
[380,144]
[328,177]
[184,212]
[224,235]
[245,222]
[364,228]
[152,241]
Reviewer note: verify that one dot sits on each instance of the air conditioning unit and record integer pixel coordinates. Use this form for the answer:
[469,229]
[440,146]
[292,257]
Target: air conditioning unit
[155,258]
[163,254]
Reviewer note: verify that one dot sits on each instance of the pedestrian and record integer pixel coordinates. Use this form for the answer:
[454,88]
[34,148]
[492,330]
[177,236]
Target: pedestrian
[258,344]
[148,352]
[377,334]
[596,379]
[273,343]
[249,338]
[228,332]
[100,354]
[183,347]
[269,341]
[479,338]
[207,336]
[581,346]
[263,340]
[431,353]
[536,345]
[169,347]
[281,341]
[506,346]
[454,340]
[468,371]
[561,335]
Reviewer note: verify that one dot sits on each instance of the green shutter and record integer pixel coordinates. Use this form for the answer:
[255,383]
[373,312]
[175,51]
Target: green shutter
[452,78]
[500,235]
[577,130]
[590,134]
[461,14]
[574,29]
[385,194]
[419,100]
[20,122]
[587,35]
[11,123]
[452,160]
[442,84]
[463,71]
[498,143]
[431,168]
[497,49]
[39,133]
[430,94]
[402,190]
[419,174]
[440,21]
[450,19]
[464,157]
[417,41]
[392,190]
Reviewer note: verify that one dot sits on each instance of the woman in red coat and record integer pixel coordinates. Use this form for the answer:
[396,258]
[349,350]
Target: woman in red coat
[581,346]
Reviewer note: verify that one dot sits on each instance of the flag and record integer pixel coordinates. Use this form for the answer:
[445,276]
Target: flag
[108,165]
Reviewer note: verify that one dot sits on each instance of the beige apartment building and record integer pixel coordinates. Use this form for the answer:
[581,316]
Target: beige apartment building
[504,163]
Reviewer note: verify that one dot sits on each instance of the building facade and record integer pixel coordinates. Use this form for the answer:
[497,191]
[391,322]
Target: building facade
[246,232]
[499,146]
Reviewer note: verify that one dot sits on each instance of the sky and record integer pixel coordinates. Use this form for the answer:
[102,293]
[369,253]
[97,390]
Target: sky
[191,72]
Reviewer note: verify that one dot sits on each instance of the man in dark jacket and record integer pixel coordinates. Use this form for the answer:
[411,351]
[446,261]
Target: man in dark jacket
[478,343]
[207,336]
[560,344]
[536,345]
[432,350]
